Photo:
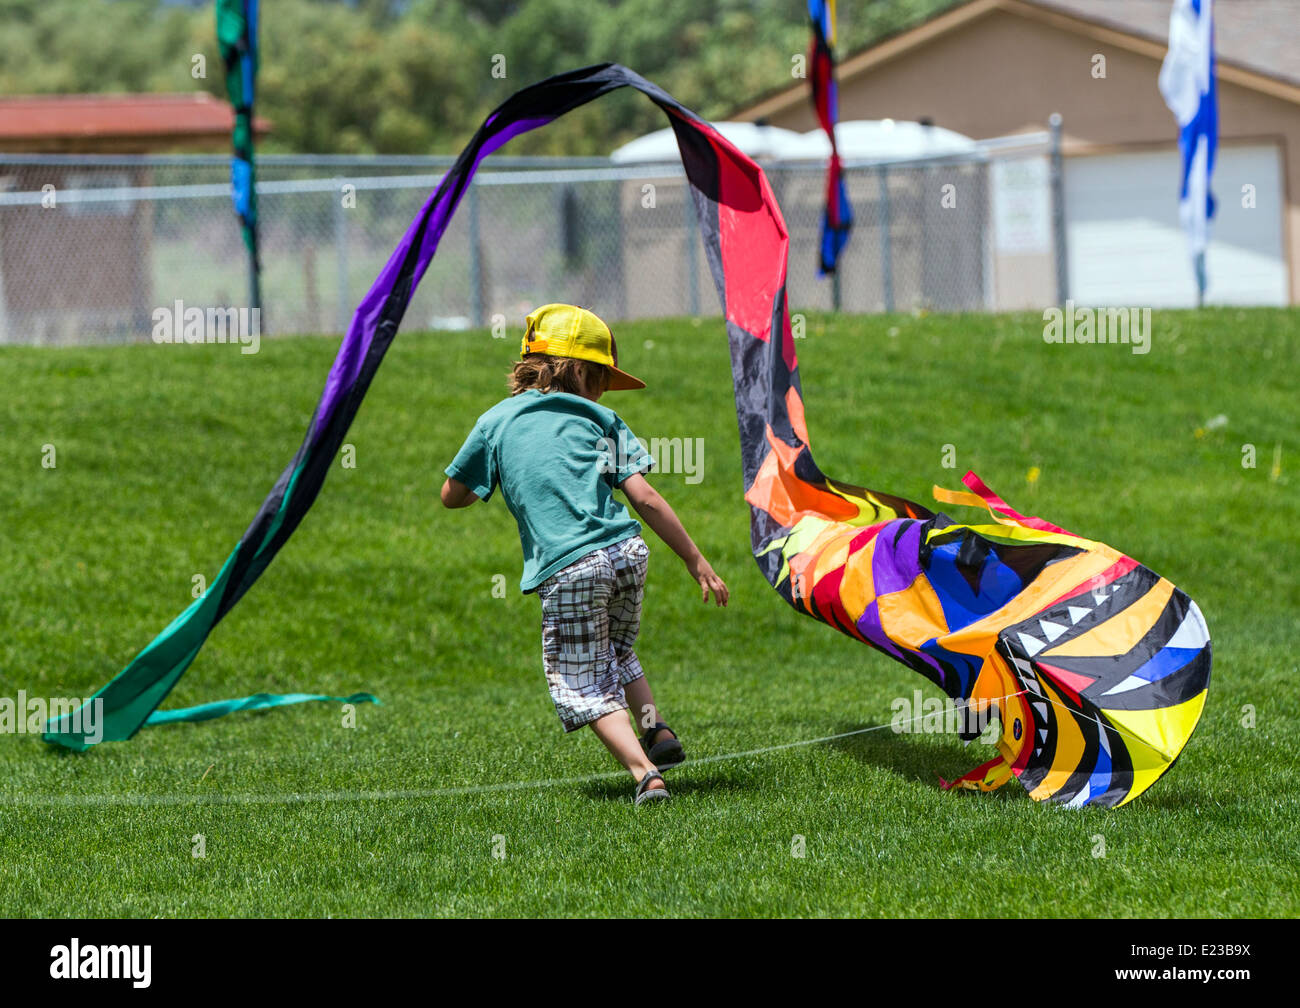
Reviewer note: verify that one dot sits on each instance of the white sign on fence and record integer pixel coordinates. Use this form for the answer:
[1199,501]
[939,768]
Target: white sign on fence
[1022,210]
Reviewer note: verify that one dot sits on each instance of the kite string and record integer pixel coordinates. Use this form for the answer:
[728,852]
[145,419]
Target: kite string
[422,793]
[425,793]
[1103,725]
[1118,729]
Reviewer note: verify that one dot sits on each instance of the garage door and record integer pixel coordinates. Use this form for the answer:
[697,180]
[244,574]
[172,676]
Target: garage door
[1126,246]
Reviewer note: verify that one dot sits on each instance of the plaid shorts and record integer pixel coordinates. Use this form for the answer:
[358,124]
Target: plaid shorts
[591,612]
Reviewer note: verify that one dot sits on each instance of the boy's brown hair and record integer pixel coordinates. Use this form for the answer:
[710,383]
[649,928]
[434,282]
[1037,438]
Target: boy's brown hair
[557,374]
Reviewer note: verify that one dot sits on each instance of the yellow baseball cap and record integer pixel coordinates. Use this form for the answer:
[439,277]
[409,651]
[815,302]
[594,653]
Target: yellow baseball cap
[563,330]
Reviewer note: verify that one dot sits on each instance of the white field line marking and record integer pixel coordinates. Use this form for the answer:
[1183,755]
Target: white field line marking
[298,798]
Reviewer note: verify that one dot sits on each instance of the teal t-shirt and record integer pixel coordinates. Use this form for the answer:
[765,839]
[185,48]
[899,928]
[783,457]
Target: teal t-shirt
[557,458]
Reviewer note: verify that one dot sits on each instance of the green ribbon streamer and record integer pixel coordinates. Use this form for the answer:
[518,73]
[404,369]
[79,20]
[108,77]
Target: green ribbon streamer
[258,701]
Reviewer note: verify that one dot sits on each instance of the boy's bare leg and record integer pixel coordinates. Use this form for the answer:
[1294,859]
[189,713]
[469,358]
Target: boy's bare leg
[615,731]
[641,705]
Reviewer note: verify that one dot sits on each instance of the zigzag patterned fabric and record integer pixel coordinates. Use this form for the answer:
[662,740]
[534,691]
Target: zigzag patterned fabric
[1097,667]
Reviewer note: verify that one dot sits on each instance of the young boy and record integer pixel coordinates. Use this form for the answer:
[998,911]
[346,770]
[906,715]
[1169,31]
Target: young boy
[558,457]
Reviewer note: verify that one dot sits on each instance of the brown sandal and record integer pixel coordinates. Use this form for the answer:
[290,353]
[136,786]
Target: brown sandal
[666,753]
[644,793]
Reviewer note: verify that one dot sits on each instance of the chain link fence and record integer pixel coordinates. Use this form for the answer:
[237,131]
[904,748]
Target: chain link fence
[91,247]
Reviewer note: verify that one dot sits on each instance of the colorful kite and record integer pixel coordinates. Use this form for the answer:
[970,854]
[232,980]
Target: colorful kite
[1097,667]
[837,218]
[237,39]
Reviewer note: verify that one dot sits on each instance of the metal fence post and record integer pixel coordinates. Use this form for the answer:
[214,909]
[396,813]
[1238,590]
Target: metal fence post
[692,254]
[1058,211]
[341,257]
[475,256]
[617,231]
[886,248]
[4,312]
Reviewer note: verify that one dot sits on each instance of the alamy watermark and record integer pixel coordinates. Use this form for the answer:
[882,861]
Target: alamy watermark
[677,456]
[921,715]
[24,715]
[1072,324]
[75,961]
[176,323]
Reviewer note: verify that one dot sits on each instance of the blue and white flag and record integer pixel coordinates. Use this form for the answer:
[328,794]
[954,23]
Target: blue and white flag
[1187,84]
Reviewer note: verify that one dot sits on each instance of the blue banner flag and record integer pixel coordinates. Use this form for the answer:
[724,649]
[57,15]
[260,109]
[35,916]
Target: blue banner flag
[1187,84]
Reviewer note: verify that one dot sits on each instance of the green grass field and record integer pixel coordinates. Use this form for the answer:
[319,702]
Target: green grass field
[164,453]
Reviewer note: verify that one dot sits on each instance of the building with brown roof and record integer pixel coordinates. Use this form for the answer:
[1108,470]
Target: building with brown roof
[116,123]
[100,250]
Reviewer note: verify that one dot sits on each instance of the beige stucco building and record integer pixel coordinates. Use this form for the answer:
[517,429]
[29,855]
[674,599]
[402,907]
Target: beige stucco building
[989,68]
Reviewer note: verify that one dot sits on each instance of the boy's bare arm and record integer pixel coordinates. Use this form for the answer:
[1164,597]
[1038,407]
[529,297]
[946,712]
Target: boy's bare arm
[456,494]
[655,512]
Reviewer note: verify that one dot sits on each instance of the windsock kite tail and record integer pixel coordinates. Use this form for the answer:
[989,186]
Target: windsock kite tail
[1097,667]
